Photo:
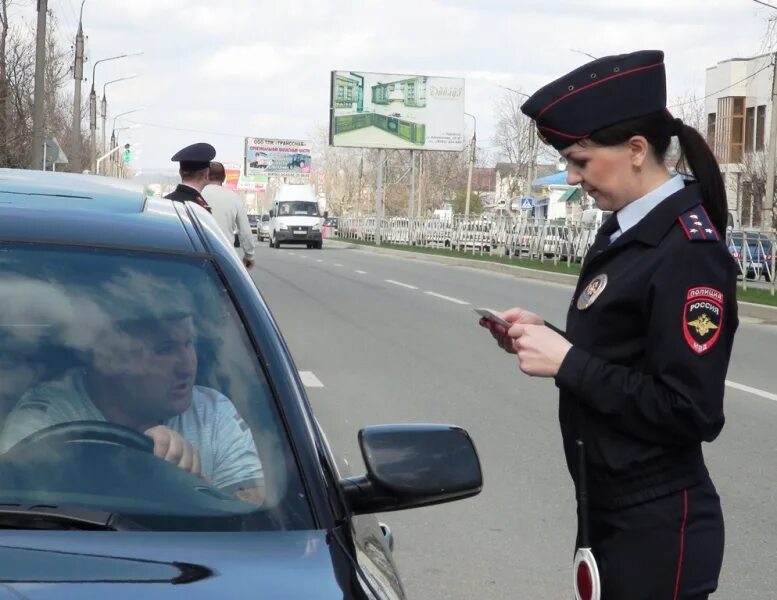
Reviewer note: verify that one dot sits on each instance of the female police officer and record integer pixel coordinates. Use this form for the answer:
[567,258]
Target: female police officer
[641,367]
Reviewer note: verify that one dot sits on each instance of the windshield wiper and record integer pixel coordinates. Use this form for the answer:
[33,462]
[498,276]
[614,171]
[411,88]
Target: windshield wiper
[60,518]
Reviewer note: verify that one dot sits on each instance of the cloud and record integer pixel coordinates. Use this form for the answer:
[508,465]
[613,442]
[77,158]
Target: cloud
[265,66]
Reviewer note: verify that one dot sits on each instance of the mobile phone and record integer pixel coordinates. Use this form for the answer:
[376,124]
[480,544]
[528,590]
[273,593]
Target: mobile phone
[492,316]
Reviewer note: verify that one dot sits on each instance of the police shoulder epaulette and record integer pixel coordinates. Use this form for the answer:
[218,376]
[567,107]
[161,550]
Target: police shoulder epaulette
[697,225]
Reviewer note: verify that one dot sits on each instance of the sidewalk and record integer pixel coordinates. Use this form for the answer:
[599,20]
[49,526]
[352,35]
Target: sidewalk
[759,312]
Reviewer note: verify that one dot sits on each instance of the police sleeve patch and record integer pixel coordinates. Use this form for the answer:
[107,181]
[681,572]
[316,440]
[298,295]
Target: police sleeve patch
[697,225]
[703,318]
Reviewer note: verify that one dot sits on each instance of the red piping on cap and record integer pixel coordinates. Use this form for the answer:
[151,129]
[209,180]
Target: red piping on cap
[595,83]
[562,134]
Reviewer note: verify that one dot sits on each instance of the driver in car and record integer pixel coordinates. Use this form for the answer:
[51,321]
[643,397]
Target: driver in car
[143,379]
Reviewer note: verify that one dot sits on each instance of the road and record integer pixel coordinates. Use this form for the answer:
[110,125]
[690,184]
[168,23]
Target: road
[395,340]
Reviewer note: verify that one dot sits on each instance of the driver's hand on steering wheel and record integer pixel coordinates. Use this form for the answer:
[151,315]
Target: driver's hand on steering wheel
[172,447]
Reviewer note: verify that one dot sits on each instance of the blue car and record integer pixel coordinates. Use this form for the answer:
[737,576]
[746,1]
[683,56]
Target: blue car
[155,437]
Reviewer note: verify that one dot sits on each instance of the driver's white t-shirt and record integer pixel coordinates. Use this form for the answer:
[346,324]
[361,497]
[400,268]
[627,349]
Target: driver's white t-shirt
[211,424]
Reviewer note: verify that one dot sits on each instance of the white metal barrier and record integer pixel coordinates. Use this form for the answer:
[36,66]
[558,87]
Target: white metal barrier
[521,238]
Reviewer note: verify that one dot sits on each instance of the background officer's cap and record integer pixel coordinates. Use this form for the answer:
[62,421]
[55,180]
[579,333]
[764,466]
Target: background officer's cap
[599,94]
[195,157]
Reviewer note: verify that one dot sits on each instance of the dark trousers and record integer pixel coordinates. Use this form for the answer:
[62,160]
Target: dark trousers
[670,548]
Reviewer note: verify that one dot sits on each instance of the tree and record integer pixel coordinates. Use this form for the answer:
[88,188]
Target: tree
[475,204]
[17,83]
[515,138]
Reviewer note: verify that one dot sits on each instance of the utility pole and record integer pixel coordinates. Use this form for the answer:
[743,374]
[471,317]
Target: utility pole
[40,85]
[471,165]
[78,75]
[767,220]
[411,203]
[379,197]
[531,168]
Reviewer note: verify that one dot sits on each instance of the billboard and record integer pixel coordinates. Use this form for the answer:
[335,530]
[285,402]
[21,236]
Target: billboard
[276,157]
[403,112]
[232,173]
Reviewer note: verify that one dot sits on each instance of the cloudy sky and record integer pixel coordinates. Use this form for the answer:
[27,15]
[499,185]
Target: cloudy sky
[221,70]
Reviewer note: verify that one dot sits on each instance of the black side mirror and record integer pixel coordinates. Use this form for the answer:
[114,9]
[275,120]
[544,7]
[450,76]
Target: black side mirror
[413,465]
[272,213]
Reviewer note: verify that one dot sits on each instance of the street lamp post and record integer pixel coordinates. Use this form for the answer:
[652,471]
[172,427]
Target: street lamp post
[78,75]
[93,104]
[104,103]
[471,164]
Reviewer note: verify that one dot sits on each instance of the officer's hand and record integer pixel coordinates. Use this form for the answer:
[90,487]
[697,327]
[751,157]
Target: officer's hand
[514,315]
[540,350]
[172,447]
[248,262]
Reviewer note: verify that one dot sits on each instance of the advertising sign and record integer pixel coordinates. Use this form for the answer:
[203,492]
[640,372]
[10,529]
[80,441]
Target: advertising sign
[252,183]
[404,112]
[276,157]
[232,173]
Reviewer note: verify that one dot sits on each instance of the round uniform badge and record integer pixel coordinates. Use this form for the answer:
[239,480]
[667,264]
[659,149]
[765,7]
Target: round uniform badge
[592,291]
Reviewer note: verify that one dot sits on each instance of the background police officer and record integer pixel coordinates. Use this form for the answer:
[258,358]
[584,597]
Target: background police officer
[641,367]
[194,167]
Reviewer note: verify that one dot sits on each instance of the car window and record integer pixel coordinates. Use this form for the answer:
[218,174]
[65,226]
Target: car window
[137,343]
[265,218]
[299,208]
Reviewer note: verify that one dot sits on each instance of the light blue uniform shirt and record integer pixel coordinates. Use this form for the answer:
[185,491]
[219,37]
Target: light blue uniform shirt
[634,212]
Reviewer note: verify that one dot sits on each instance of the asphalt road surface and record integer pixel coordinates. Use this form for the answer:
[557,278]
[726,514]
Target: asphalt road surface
[383,339]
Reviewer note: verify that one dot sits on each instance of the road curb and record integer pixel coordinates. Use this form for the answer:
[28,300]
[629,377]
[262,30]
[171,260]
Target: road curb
[761,312]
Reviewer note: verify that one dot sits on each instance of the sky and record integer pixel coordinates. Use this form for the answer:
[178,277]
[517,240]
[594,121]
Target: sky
[222,70]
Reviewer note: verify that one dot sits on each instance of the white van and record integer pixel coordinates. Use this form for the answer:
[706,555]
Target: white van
[295,217]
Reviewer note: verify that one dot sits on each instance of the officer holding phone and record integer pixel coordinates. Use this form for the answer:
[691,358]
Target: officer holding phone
[642,364]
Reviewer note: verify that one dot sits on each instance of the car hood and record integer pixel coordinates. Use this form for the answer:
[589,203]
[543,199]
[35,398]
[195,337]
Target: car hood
[124,565]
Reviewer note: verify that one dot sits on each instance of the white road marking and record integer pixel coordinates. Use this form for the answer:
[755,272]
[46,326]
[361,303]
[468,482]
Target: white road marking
[303,255]
[448,298]
[400,284]
[309,380]
[751,390]
[338,265]
[361,272]
[319,260]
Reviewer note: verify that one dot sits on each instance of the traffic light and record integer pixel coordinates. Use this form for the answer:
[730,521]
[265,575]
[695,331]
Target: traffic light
[127,153]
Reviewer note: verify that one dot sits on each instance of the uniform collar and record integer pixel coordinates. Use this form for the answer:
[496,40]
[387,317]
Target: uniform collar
[652,228]
[634,212]
[185,187]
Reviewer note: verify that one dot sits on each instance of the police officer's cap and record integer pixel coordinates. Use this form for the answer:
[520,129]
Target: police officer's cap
[602,93]
[195,157]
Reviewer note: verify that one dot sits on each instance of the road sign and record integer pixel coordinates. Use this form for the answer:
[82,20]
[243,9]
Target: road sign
[527,203]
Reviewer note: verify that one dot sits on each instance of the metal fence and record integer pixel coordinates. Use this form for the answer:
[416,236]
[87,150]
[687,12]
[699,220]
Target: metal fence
[528,238]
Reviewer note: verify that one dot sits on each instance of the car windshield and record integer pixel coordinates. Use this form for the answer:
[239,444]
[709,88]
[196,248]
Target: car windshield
[102,350]
[298,208]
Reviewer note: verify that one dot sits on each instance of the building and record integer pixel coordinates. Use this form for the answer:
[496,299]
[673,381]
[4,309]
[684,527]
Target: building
[555,200]
[738,108]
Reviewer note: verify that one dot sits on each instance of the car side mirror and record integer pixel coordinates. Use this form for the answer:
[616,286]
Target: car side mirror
[272,213]
[409,466]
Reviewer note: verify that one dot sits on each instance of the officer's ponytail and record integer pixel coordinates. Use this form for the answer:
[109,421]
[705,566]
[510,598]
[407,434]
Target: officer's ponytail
[658,128]
[696,154]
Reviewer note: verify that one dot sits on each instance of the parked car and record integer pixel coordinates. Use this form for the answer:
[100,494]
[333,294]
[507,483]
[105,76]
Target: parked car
[263,233]
[253,221]
[124,318]
[752,251]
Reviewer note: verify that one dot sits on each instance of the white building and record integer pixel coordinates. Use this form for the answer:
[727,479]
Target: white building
[738,108]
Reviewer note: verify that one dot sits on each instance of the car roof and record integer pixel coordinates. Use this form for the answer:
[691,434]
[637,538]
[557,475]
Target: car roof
[88,210]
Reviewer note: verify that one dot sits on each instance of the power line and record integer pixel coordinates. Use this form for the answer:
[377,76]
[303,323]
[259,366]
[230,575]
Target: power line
[723,89]
[170,127]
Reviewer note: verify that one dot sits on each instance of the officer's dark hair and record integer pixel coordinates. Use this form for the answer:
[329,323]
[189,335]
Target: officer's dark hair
[658,128]
[217,172]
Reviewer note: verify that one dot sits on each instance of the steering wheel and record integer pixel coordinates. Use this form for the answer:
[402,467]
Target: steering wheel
[88,431]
